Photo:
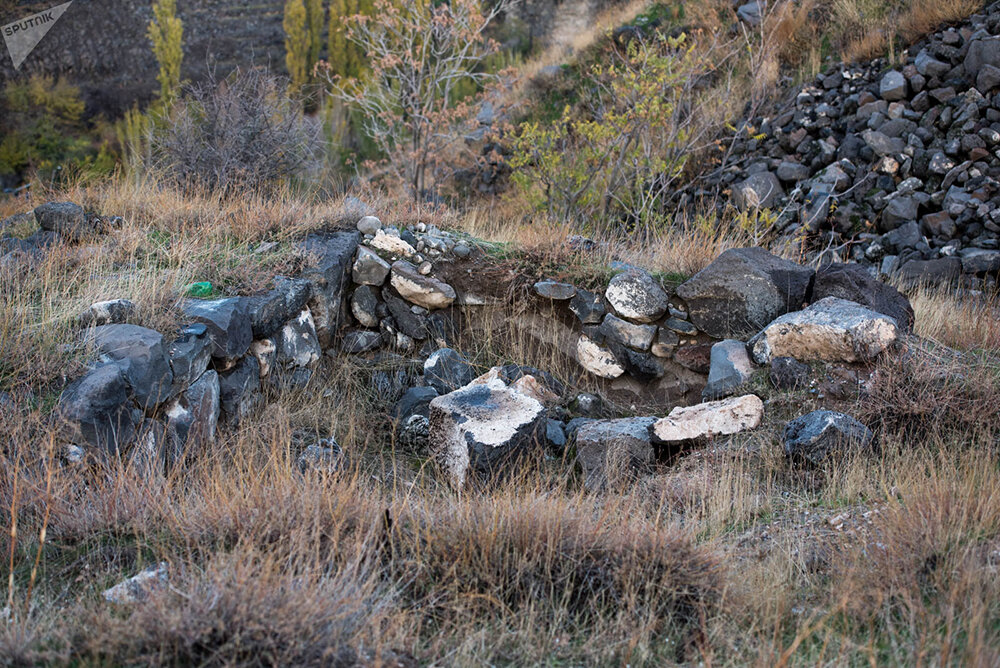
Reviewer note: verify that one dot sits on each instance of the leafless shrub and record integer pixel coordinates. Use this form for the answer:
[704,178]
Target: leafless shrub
[518,551]
[935,392]
[249,611]
[240,133]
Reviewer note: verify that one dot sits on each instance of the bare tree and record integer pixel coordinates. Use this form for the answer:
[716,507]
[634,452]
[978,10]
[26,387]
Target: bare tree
[423,59]
[240,132]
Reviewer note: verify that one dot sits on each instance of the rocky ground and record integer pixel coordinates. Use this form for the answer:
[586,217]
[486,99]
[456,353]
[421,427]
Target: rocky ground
[892,164]
[261,432]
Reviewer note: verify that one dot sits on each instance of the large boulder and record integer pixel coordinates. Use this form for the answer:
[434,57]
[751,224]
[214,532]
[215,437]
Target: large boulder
[192,417]
[142,357]
[418,289]
[270,311]
[480,429]
[447,370]
[612,451]
[742,291]
[328,278]
[96,411]
[854,283]
[820,435]
[634,295]
[729,369]
[831,330]
[713,418]
[228,323]
[65,218]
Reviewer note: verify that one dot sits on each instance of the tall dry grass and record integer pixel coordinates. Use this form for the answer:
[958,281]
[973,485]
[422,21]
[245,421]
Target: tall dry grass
[726,555]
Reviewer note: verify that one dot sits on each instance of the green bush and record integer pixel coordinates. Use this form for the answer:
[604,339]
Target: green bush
[617,155]
[43,130]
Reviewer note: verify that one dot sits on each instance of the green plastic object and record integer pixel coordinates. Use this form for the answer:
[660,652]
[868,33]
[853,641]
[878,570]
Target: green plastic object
[202,289]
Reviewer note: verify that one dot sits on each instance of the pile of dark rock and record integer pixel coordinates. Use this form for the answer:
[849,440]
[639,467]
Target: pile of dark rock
[48,224]
[891,164]
[764,313]
[372,292]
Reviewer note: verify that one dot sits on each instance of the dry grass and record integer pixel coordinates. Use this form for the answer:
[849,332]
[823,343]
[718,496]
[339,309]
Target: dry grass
[728,555]
[867,28]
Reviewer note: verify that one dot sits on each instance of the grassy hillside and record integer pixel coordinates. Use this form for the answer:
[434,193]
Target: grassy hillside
[726,554]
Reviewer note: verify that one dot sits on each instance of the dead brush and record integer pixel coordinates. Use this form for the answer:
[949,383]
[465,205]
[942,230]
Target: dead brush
[248,609]
[926,578]
[935,392]
[512,551]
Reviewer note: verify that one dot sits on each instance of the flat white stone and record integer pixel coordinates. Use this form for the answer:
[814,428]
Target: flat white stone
[713,418]
[597,360]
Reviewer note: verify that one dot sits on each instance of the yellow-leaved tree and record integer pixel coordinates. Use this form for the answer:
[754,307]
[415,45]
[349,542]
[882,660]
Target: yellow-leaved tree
[166,32]
[315,16]
[296,44]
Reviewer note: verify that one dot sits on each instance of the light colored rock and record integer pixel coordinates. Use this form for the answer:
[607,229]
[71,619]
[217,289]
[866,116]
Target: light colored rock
[415,288]
[369,225]
[634,295]
[480,429]
[265,351]
[713,418]
[390,243]
[530,386]
[597,360]
[138,587]
[112,311]
[832,330]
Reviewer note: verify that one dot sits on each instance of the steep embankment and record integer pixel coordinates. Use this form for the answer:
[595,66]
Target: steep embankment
[895,164]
